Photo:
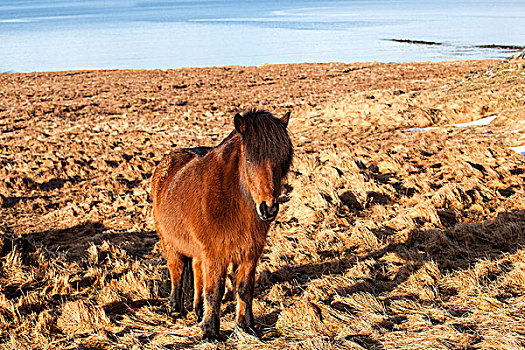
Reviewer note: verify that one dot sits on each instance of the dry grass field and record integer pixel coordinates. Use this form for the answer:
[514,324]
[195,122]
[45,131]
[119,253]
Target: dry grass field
[387,238]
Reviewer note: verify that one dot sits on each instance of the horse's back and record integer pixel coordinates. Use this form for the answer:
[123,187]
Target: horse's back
[170,165]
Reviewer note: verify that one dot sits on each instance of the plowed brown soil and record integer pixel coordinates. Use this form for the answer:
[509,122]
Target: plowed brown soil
[387,238]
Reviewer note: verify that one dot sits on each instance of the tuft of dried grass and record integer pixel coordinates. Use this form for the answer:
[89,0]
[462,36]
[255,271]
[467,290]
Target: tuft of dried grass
[79,317]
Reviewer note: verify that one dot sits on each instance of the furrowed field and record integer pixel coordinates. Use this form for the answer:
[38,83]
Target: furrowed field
[387,238]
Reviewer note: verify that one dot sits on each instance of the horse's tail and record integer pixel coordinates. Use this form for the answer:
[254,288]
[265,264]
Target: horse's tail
[187,281]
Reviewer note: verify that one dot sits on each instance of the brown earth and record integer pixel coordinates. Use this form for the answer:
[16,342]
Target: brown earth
[387,239]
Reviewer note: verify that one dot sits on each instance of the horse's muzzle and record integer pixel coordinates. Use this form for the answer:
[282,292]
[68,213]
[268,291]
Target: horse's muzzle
[267,213]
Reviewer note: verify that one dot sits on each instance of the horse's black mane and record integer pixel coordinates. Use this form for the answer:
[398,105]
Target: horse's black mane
[266,138]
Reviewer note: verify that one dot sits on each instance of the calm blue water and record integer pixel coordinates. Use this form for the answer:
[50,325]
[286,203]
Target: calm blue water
[39,35]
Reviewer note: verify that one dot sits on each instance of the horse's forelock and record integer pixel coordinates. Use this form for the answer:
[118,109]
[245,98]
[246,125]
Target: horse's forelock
[266,138]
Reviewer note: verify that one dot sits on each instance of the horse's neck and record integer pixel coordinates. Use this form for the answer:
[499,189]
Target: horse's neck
[229,152]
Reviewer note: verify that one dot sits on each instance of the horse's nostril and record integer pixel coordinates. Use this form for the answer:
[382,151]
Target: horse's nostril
[263,209]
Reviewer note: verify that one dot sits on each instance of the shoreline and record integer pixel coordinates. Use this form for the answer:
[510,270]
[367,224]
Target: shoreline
[131,70]
[416,42]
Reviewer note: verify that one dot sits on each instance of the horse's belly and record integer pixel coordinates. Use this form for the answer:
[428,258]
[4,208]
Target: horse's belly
[176,236]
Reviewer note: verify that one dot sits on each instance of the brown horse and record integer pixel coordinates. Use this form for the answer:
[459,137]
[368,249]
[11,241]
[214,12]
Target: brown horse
[212,209]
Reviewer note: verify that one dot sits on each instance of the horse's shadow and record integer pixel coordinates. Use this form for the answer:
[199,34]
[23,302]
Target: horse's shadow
[73,245]
[73,242]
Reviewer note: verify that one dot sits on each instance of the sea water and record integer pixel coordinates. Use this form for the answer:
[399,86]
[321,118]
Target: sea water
[40,35]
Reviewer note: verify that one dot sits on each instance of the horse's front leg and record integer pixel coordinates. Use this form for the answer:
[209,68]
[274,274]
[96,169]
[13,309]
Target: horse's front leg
[214,276]
[245,288]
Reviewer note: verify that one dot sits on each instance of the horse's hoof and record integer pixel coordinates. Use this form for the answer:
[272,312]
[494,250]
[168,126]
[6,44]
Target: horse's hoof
[210,336]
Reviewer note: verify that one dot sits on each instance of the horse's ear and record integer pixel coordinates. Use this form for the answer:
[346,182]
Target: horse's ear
[286,118]
[239,123]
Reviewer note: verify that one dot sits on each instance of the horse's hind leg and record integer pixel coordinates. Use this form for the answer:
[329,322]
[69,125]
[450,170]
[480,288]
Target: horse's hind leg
[198,305]
[245,288]
[176,267]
